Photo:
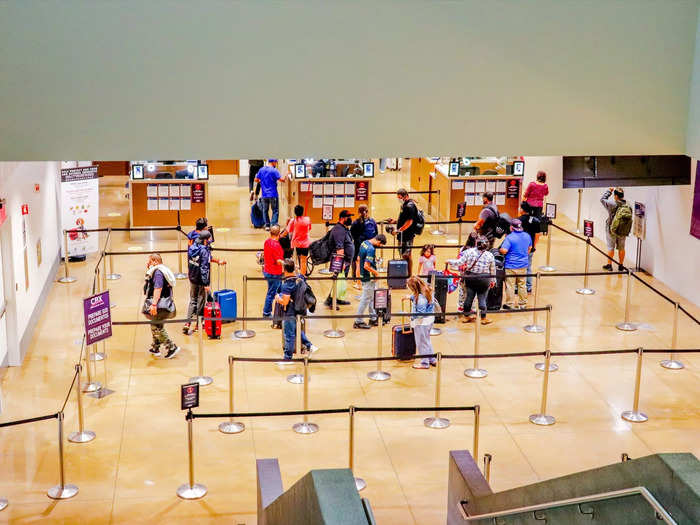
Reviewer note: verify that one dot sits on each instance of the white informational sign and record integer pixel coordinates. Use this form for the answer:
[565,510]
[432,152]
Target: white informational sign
[349,201]
[174,203]
[151,190]
[304,187]
[349,188]
[501,186]
[339,201]
[491,186]
[318,201]
[500,199]
[174,190]
[163,190]
[318,188]
[328,188]
[163,203]
[185,203]
[80,203]
[185,191]
[327,213]
[470,187]
[458,185]
[639,224]
[328,200]
[480,186]
[550,210]
[338,187]
[152,204]
[470,199]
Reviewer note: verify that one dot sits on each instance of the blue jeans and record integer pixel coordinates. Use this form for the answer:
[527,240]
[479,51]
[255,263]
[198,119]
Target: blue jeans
[481,292]
[529,270]
[275,203]
[367,301]
[289,326]
[274,283]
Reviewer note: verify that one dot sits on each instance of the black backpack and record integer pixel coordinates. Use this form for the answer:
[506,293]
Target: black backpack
[304,298]
[320,250]
[498,225]
[419,220]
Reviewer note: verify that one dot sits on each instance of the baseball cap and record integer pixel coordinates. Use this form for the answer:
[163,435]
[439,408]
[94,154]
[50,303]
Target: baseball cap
[271,160]
[345,213]
[516,225]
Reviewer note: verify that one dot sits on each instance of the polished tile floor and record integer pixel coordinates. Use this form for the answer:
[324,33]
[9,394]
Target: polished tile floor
[130,472]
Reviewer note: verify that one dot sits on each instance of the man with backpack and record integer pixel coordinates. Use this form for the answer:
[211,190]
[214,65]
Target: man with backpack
[363,228]
[488,219]
[617,226]
[293,297]
[342,246]
[368,266]
[409,224]
[199,261]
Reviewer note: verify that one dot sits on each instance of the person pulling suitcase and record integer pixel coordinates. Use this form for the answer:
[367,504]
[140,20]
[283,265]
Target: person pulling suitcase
[199,261]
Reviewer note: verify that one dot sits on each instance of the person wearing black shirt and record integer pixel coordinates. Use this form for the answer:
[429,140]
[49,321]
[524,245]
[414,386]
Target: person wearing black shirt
[531,226]
[254,166]
[343,246]
[405,231]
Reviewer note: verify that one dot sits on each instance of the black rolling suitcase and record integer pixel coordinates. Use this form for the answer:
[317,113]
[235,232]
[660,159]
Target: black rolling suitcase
[397,271]
[403,342]
[494,298]
[439,282]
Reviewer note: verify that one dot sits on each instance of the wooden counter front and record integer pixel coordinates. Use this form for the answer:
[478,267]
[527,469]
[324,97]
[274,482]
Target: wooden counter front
[141,216]
[301,191]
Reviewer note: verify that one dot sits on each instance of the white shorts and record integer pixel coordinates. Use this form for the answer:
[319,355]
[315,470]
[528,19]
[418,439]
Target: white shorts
[614,242]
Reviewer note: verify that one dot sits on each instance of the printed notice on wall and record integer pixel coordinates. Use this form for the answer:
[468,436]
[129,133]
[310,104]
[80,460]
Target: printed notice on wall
[318,188]
[80,196]
[185,190]
[491,185]
[174,203]
[163,190]
[151,190]
[458,185]
[349,201]
[152,204]
[328,200]
[174,190]
[500,199]
[304,187]
[185,203]
[339,201]
[470,199]
[163,203]
[470,186]
[349,188]
[480,186]
[318,201]
[328,188]
[338,187]
[501,186]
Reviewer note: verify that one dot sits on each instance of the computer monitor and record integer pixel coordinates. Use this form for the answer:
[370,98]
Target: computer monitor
[137,172]
[519,167]
[203,172]
[454,169]
[299,171]
[368,169]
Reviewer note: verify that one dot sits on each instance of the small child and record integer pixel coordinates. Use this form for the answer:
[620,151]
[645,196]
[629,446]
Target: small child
[427,260]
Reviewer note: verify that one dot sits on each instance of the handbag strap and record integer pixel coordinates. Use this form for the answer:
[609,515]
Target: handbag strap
[474,263]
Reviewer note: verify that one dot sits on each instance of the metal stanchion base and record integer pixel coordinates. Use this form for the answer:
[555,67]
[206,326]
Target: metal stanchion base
[62,492]
[102,392]
[378,375]
[67,280]
[360,484]
[3,504]
[243,334]
[305,428]
[548,269]
[334,334]
[634,417]
[585,291]
[542,419]
[98,356]
[553,367]
[533,328]
[435,331]
[231,427]
[626,327]
[475,373]
[438,231]
[92,387]
[202,380]
[180,276]
[672,364]
[114,276]
[195,491]
[324,271]
[295,379]
[436,422]
[81,437]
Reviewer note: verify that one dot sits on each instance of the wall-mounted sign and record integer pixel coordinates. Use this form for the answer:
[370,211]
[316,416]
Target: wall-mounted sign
[189,396]
[461,209]
[513,189]
[550,210]
[203,172]
[197,193]
[381,299]
[361,191]
[137,171]
[327,213]
[454,169]
[639,224]
[299,171]
[368,169]
[80,199]
[98,319]
[25,209]
[588,228]
[518,167]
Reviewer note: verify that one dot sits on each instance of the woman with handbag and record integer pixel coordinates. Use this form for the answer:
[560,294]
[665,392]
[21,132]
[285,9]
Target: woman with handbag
[159,304]
[480,265]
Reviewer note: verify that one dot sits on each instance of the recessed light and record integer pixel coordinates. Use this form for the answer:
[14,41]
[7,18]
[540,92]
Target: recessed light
[134,248]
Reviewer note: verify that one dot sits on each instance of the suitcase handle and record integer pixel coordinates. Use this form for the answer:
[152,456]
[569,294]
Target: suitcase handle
[403,318]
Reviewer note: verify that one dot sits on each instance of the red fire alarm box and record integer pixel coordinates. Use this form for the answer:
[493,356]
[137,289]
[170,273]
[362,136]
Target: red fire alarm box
[25,209]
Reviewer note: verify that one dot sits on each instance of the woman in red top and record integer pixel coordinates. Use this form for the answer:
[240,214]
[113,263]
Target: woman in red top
[298,228]
[536,192]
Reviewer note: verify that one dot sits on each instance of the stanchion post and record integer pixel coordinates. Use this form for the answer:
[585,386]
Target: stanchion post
[477,417]
[634,415]
[438,230]
[434,330]
[179,274]
[548,266]
[379,374]
[66,276]
[191,490]
[244,333]
[231,426]
[627,326]
[82,435]
[104,273]
[542,418]
[671,363]
[334,332]
[586,290]
[487,467]
[360,483]
[3,504]
[475,372]
[535,328]
[553,367]
[62,490]
[101,356]
[437,421]
[578,212]
[459,232]
[201,378]
[305,427]
[111,276]
[94,356]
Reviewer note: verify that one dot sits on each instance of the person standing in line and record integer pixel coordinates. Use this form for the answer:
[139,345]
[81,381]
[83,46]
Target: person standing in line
[535,193]
[362,229]
[516,247]
[422,302]
[617,226]
[343,247]
[267,177]
[531,226]
[427,260]
[368,265]
[160,283]
[405,226]
[285,298]
[199,261]
[478,263]
[200,225]
[273,256]
[298,229]
[488,218]
[254,166]
[462,288]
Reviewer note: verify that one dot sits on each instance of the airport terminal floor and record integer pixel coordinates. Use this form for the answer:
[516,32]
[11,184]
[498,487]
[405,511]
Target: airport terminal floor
[130,472]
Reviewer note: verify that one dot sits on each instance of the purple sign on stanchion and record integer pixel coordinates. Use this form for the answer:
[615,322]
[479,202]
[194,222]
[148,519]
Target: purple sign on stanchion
[98,319]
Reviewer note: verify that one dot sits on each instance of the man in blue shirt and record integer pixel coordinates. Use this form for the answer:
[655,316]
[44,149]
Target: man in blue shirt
[516,247]
[286,299]
[267,179]
[368,269]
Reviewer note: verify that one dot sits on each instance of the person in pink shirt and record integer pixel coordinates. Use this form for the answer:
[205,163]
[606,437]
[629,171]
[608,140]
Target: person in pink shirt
[298,229]
[535,193]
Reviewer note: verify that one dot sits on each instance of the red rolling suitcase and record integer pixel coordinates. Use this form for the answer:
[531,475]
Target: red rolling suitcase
[212,310]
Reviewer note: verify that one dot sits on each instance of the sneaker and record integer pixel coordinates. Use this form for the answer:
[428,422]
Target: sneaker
[608,267]
[267,228]
[486,321]
[620,268]
[374,322]
[186,329]
[361,326]
[172,352]
[468,319]
[155,352]
[313,348]
[507,307]
[328,302]
[433,361]
[342,302]
[421,365]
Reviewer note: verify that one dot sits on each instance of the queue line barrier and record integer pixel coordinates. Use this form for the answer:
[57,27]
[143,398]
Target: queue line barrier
[193,490]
